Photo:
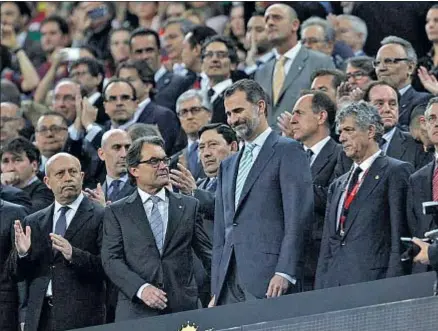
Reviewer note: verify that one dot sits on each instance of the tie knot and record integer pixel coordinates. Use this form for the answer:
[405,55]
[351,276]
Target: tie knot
[249,147]
[357,171]
[193,147]
[309,153]
[210,93]
[382,142]
[116,183]
[64,209]
[155,199]
[282,60]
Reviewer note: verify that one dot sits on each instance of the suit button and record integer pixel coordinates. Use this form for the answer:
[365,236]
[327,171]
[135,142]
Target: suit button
[234,224]
[343,243]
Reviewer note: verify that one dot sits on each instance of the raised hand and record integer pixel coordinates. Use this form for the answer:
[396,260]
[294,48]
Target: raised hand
[182,179]
[22,238]
[429,81]
[284,123]
[97,195]
[8,36]
[62,245]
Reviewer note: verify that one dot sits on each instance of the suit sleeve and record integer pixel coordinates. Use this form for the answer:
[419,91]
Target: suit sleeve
[218,234]
[113,257]
[298,207]
[398,186]
[170,127]
[41,198]
[206,202]
[433,255]
[201,243]
[412,220]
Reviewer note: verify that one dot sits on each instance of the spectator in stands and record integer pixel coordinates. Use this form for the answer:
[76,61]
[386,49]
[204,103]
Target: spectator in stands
[395,62]
[146,13]
[119,49]
[236,25]
[352,31]
[293,64]
[365,215]
[19,167]
[360,72]
[417,127]
[140,130]
[175,10]
[327,81]
[64,98]
[11,121]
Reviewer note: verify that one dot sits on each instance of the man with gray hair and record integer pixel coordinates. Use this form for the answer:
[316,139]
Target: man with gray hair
[365,207]
[194,111]
[395,63]
[353,31]
[11,121]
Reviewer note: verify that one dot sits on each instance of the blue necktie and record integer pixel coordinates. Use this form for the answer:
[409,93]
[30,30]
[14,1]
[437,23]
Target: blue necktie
[193,158]
[211,186]
[61,223]
[115,186]
[156,223]
[245,165]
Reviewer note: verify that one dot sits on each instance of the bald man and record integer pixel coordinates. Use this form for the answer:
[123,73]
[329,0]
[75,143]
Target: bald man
[57,253]
[11,121]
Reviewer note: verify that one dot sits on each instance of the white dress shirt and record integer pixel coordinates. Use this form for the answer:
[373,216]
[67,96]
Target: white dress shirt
[317,148]
[219,88]
[290,55]
[163,208]
[404,89]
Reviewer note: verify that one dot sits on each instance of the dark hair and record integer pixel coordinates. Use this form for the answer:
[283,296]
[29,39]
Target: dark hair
[419,110]
[92,49]
[145,73]
[9,92]
[254,92]
[364,63]
[23,7]
[145,32]
[62,23]
[94,67]
[19,145]
[139,130]
[199,35]
[229,43]
[322,102]
[223,129]
[119,80]
[338,76]
[54,113]
[366,95]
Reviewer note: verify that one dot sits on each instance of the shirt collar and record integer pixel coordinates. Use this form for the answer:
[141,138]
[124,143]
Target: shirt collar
[93,98]
[290,54]
[74,205]
[160,73]
[388,135]
[316,149]
[145,196]
[261,138]
[109,179]
[32,180]
[404,89]
[365,165]
[266,57]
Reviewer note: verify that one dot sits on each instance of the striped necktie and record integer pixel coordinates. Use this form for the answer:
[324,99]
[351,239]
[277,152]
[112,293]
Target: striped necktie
[435,183]
[156,223]
[245,165]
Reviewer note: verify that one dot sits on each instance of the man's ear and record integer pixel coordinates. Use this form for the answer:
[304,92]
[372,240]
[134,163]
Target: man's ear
[101,154]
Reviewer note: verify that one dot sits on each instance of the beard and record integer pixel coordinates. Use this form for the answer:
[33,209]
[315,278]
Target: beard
[245,129]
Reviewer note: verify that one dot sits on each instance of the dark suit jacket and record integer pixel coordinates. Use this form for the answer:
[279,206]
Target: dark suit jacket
[322,170]
[170,87]
[206,198]
[263,240]
[78,287]
[371,248]
[40,195]
[102,116]
[219,115]
[15,195]
[9,212]
[419,191]
[408,102]
[131,258]
[126,190]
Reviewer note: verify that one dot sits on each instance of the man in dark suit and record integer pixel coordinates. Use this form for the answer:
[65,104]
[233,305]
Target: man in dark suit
[15,196]
[19,167]
[310,123]
[395,63]
[145,45]
[422,188]
[252,258]
[365,208]
[9,212]
[58,254]
[289,72]
[148,240]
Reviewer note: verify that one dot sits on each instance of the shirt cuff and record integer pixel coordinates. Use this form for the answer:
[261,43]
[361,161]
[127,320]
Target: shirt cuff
[22,256]
[291,280]
[92,131]
[73,133]
[141,290]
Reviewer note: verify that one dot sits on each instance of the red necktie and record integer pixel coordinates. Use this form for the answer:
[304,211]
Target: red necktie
[435,184]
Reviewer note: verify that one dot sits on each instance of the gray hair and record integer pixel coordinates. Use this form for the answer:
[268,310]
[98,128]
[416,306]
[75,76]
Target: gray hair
[190,94]
[109,133]
[329,31]
[254,92]
[365,115]
[19,111]
[185,25]
[429,106]
[140,130]
[357,24]
[407,46]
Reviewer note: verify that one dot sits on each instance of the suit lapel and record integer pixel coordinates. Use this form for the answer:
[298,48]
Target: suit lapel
[134,209]
[396,148]
[83,214]
[343,180]
[372,178]
[405,100]
[295,70]
[428,190]
[234,169]
[269,69]
[45,223]
[323,158]
[176,211]
[126,189]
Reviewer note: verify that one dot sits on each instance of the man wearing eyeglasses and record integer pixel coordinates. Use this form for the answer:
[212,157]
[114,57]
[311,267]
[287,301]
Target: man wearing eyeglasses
[395,63]
[11,121]
[148,239]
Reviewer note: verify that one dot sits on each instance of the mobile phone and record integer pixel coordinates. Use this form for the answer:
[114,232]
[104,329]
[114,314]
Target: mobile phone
[98,12]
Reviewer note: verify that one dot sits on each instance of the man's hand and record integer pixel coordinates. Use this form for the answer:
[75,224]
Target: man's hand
[78,105]
[428,80]
[154,297]
[62,245]
[97,195]
[89,113]
[182,160]
[22,239]
[8,36]
[211,304]
[9,178]
[423,256]
[183,179]
[284,123]
[277,286]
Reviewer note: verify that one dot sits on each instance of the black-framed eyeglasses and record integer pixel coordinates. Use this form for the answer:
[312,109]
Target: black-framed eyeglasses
[54,129]
[193,110]
[356,75]
[219,55]
[123,98]
[155,162]
[389,61]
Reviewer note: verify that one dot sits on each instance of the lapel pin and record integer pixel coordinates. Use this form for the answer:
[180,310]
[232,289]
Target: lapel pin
[179,207]
[377,177]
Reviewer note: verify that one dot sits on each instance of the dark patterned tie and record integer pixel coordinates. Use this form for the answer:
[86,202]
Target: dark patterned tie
[309,154]
[61,223]
[193,157]
[354,180]
[115,186]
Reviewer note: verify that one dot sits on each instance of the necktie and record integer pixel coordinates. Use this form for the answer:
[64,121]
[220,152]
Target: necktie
[278,79]
[211,186]
[244,168]
[156,223]
[382,143]
[435,184]
[193,157]
[309,154]
[354,180]
[210,94]
[61,223]
[115,186]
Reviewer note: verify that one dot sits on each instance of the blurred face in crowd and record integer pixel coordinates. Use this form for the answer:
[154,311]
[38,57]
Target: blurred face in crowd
[175,10]
[432,25]
[313,37]
[280,24]
[213,149]
[119,46]
[64,177]
[305,123]
[10,15]
[144,9]
[190,55]
[216,62]
[325,84]
[193,116]
[113,153]
[357,77]
[141,89]
[64,97]
[173,40]
[247,120]
[354,139]
[237,21]
[431,119]
[81,75]
[256,31]
[146,48]
[51,134]
[392,65]
[384,99]
[151,177]
[10,121]
[52,37]
[346,33]
[19,168]
[119,103]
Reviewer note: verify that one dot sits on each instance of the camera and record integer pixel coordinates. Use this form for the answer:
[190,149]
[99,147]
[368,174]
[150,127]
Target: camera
[430,208]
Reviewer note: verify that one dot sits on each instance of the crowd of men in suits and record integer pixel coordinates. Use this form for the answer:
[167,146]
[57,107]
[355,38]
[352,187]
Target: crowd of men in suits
[157,192]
